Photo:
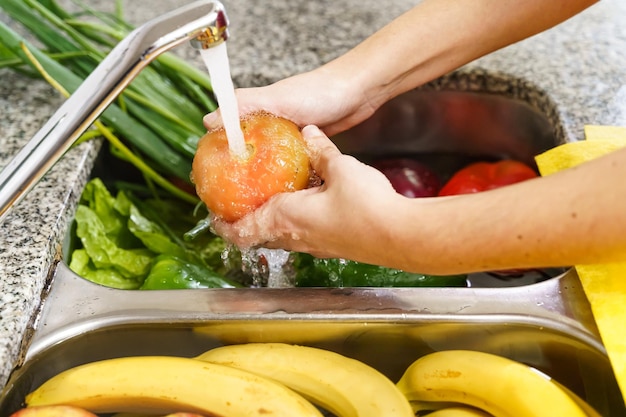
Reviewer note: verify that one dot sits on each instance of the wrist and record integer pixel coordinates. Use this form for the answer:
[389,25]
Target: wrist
[356,82]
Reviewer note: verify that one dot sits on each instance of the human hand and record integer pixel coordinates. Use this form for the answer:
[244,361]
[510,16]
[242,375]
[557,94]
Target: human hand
[326,220]
[322,97]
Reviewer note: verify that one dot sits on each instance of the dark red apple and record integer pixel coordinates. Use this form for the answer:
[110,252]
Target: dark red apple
[410,178]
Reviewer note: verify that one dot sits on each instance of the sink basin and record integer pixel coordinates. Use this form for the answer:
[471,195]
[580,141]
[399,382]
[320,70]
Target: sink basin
[543,321]
[445,130]
[459,125]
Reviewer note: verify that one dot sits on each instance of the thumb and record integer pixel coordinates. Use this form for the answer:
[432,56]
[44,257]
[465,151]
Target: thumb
[212,120]
[321,149]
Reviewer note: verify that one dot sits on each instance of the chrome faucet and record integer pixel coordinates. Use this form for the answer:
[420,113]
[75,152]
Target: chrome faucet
[203,22]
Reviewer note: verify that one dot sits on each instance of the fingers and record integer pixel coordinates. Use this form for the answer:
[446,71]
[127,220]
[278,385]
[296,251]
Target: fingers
[212,120]
[244,233]
[321,149]
[249,100]
[254,229]
[278,222]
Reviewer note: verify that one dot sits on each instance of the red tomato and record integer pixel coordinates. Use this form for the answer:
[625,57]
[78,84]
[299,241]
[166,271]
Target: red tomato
[232,186]
[482,176]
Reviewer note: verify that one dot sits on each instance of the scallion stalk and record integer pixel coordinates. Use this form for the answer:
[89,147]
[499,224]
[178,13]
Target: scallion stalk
[159,115]
[114,140]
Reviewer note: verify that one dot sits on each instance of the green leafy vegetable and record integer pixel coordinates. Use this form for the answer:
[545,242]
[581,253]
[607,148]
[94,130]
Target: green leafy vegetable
[170,272]
[109,277]
[123,245]
[109,211]
[103,251]
[153,236]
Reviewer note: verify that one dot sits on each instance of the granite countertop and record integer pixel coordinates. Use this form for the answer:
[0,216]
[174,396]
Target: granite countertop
[579,67]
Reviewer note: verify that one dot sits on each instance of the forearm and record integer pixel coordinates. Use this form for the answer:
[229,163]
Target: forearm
[438,36]
[573,217]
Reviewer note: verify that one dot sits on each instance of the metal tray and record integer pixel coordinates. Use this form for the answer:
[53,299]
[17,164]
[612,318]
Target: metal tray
[547,325]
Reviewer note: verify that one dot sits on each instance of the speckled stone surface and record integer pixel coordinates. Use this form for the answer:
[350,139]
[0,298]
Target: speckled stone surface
[575,73]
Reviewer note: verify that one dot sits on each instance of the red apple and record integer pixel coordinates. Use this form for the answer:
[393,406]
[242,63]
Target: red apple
[409,177]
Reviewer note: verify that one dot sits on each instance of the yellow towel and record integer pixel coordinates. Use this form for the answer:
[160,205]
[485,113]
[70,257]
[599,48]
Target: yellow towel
[604,284]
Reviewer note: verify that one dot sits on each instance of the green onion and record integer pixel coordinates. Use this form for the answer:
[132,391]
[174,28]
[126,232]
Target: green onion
[121,149]
[155,123]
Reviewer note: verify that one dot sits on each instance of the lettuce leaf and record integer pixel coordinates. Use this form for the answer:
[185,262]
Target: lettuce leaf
[123,239]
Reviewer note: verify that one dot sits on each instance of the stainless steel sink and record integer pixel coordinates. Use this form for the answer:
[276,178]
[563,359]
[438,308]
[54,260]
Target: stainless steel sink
[429,123]
[545,323]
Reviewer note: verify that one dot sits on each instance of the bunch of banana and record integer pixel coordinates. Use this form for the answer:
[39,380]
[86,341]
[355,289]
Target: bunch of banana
[163,384]
[344,386]
[499,386]
[278,379]
[240,380]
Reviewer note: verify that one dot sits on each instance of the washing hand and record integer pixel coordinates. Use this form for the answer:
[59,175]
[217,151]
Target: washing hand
[320,97]
[356,214]
[350,199]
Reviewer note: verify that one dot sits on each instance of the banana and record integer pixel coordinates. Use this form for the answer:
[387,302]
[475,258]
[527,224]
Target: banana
[167,384]
[309,332]
[497,385]
[586,407]
[459,411]
[344,386]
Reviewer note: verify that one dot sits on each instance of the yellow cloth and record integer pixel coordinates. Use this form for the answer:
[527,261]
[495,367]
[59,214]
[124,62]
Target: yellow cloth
[604,284]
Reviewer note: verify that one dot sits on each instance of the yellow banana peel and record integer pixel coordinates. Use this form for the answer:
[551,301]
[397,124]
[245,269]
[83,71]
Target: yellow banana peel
[494,384]
[167,384]
[342,385]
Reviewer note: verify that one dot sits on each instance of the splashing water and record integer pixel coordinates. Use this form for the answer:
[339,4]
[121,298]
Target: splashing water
[216,61]
[265,266]
[276,260]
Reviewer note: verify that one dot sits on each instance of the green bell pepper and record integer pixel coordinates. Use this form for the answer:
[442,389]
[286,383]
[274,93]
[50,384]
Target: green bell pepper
[315,272]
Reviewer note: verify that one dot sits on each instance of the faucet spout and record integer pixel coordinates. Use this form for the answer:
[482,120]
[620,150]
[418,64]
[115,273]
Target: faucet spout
[213,35]
[204,23]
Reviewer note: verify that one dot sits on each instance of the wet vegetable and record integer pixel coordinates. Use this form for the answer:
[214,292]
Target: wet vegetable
[315,272]
[171,272]
[482,176]
[127,243]
[409,177]
[276,161]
